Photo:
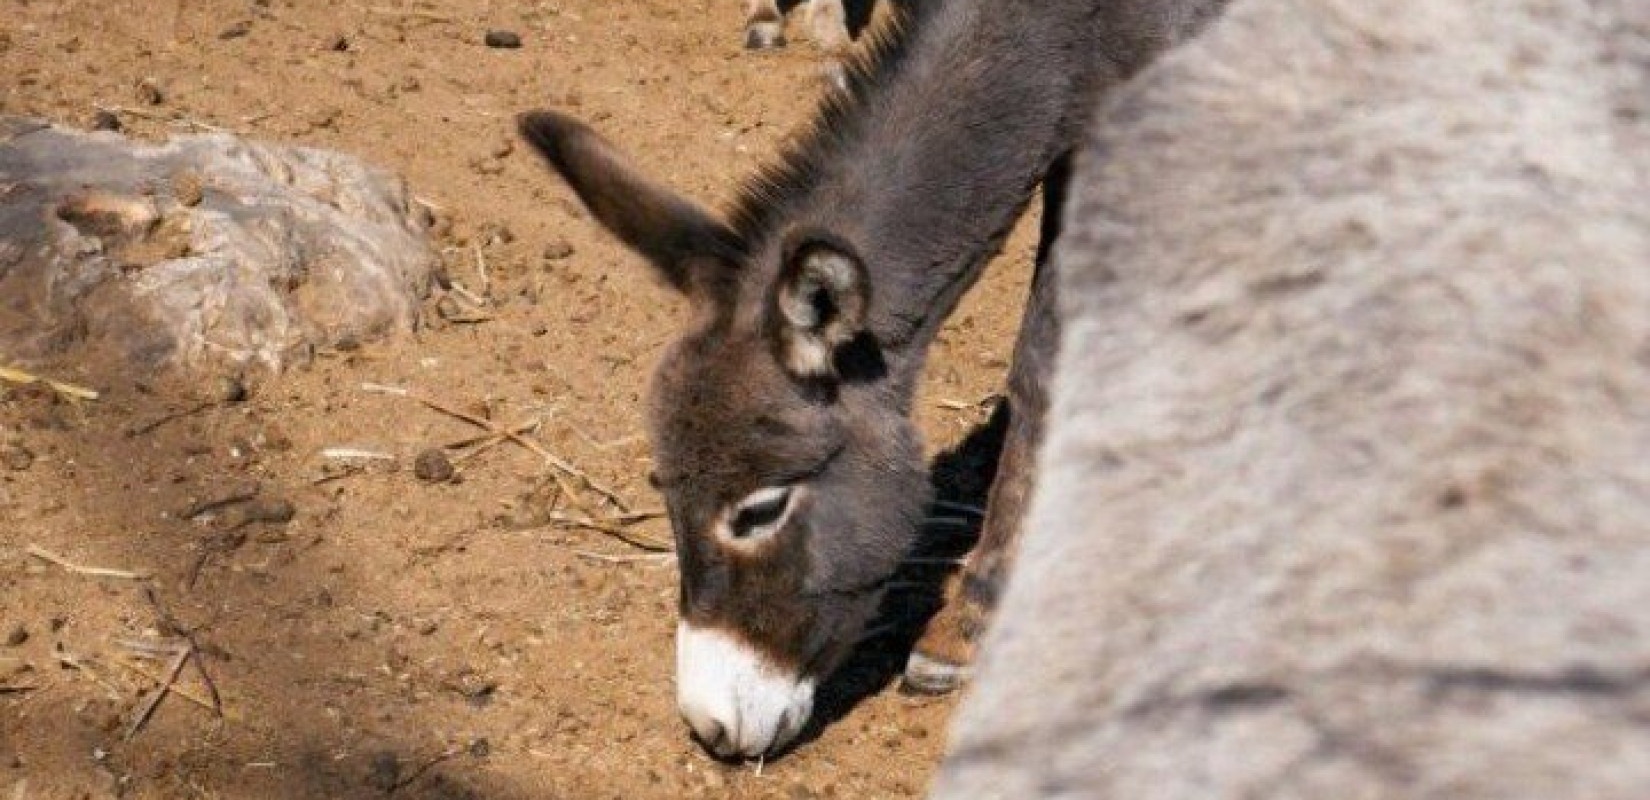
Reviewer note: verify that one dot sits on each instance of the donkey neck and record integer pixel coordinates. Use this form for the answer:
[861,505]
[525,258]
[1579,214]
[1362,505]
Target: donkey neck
[938,149]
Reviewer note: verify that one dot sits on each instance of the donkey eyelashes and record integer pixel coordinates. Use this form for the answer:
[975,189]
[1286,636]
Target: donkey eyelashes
[761,513]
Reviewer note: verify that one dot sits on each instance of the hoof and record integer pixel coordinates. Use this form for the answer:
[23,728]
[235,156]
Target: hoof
[764,36]
[929,676]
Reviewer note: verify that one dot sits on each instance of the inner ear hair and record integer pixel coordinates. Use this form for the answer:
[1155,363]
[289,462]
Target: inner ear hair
[821,300]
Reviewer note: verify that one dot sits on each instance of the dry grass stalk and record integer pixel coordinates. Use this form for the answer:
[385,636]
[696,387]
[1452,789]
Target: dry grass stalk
[172,671]
[611,529]
[170,625]
[179,689]
[561,464]
[68,660]
[96,572]
[411,13]
[155,423]
[17,376]
[611,558]
[355,454]
[488,441]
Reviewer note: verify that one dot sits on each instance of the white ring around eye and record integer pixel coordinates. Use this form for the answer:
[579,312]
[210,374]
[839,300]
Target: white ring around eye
[761,497]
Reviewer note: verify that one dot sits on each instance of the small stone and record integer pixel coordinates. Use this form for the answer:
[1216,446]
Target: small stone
[326,118]
[448,308]
[475,689]
[558,249]
[433,466]
[480,748]
[229,389]
[17,636]
[16,457]
[428,627]
[338,44]
[150,92]
[188,188]
[273,510]
[504,148]
[106,121]
[502,39]
[236,30]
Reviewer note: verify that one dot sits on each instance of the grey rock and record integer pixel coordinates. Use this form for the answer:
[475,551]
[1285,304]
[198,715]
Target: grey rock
[207,250]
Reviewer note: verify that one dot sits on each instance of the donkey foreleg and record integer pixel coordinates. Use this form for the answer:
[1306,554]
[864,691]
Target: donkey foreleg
[764,25]
[939,660]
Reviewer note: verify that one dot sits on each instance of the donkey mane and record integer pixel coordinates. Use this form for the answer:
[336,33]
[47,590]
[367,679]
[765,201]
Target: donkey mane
[767,196]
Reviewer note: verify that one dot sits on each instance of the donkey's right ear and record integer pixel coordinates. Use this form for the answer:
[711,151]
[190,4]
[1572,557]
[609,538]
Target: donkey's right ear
[676,234]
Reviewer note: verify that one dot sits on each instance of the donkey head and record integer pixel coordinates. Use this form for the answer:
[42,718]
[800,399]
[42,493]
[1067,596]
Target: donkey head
[782,447]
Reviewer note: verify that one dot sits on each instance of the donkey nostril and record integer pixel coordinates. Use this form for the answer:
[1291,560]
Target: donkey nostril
[714,736]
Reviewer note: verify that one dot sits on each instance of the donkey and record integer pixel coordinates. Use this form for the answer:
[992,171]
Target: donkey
[780,419]
[1344,490]
[827,25]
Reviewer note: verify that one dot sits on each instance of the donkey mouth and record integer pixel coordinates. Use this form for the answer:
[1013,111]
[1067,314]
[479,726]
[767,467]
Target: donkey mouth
[737,701]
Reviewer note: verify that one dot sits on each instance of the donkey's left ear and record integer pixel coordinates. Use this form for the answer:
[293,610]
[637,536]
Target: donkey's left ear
[687,245]
[820,303]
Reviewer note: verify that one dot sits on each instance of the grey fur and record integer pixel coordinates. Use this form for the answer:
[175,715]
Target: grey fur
[1347,487]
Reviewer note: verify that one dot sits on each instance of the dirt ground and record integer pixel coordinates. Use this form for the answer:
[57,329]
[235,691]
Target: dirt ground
[400,636]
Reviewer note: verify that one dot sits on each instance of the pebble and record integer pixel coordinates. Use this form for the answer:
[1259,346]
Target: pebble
[558,249]
[502,39]
[16,457]
[150,92]
[106,121]
[17,636]
[236,30]
[433,466]
[338,44]
[449,309]
[272,510]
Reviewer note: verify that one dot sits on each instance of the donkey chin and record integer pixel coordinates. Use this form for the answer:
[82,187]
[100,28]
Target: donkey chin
[738,702]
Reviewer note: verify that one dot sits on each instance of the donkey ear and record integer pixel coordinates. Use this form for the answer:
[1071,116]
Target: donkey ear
[820,304]
[674,233]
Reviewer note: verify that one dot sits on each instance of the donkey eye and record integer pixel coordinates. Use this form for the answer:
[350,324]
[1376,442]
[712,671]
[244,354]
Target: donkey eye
[760,512]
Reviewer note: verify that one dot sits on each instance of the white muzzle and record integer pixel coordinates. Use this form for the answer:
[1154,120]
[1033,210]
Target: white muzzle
[735,699]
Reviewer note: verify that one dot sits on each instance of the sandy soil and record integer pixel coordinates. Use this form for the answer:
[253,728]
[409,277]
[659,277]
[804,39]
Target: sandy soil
[400,636]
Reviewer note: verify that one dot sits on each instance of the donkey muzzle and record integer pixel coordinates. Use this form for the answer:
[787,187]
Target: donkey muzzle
[736,700]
